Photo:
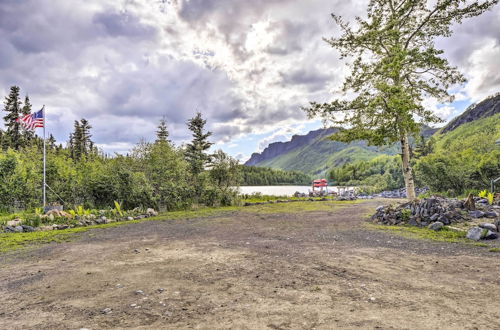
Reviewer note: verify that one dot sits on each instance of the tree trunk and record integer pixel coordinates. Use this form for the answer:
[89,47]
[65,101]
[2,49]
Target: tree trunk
[407,170]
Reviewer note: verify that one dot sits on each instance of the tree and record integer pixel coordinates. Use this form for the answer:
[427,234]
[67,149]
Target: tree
[196,150]
[196,153]
[80,143]
[162,132]
[12,106]
[396,65]
[28,135]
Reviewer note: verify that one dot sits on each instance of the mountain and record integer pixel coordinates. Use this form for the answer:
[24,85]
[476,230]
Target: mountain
[314,153]
[484,109]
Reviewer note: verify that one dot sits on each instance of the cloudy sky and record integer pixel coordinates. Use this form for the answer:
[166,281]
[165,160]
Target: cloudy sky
[248,66]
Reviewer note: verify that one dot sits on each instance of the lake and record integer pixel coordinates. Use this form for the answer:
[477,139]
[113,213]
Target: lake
[278,190]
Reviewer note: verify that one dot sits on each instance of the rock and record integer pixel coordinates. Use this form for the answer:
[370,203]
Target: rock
[45,228]
[379,208]
[139,292]
[10,229]
[497,223]
[130,218]
[19,229]
[103,219]
[106,311]
[151,212]
[413,221]
[14,223]
[434,217]
[489,226]
[28,229]
[436,226]
[476,214]
[476,233]
[490,235]
[490,214]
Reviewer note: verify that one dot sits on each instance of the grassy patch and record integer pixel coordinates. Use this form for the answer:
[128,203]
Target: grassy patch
[497,249]
[443,235]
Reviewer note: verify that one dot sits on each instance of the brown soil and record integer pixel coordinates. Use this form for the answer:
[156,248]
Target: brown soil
[308,270]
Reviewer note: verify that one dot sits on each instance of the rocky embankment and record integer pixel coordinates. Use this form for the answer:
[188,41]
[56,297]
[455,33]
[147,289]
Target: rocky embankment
[435,213]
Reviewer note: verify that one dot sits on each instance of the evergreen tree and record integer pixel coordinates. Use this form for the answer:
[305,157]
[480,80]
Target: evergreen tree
[51,142]
[28,135]
[196,154]
[80,143]
[396,65]
[12,106]
[162,132]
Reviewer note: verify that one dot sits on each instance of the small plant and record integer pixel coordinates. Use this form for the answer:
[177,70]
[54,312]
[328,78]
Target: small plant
[38,210]
[483,194]
[405,214]
[118,209]
[72,212]
[490,198]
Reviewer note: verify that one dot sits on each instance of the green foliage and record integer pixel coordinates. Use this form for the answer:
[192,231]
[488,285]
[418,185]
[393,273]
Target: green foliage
[263,176]
[378,174]
[490,198]
[463,159]
[118,209]
[483,194]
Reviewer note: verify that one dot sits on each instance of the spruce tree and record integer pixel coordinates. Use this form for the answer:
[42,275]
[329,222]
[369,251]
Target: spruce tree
[162,132]
[196,154]
[12,106]
[27,135]
[80,143]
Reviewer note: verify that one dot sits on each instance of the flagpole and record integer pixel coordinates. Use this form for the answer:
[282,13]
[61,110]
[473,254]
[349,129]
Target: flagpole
[44,161]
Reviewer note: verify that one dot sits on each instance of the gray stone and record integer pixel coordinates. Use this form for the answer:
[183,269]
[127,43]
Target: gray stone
[19,229]
[490,214]
[130,218]
[139,292]
[10,229]
[489,226]
[106,311]
[436,226]
[490,235]
[28,229]
[476,214]
[379,208]
[476,233]
[434,217]
[497,223]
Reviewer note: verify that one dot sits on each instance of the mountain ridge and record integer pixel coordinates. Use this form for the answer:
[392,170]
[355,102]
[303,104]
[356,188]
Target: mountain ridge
[314,153]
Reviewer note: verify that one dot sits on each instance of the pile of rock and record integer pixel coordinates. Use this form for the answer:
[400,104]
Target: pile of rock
[16,225]
[437,212]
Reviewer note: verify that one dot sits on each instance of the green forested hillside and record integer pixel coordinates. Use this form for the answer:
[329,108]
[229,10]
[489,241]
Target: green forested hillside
[323,154]
[262,176]
[453,163]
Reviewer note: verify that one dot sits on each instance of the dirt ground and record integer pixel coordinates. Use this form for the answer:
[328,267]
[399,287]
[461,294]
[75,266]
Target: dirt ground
[251,270]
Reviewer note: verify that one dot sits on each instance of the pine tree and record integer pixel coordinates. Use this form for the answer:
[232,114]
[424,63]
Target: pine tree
[12,106]
[80,143]
[27,135]
[162,132]
[196,154]
[395,66]
[51,142]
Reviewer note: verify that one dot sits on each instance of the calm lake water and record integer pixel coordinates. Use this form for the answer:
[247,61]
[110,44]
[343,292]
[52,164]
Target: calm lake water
[278,190]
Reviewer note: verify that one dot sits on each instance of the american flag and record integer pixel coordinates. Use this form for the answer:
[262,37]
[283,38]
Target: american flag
[32,120]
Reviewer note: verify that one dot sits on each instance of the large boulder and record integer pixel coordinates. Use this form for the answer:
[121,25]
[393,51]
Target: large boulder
[489,226]
[151,212]
[14,223]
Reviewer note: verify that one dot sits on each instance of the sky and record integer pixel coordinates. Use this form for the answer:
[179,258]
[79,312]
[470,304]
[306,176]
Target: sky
[247,66]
